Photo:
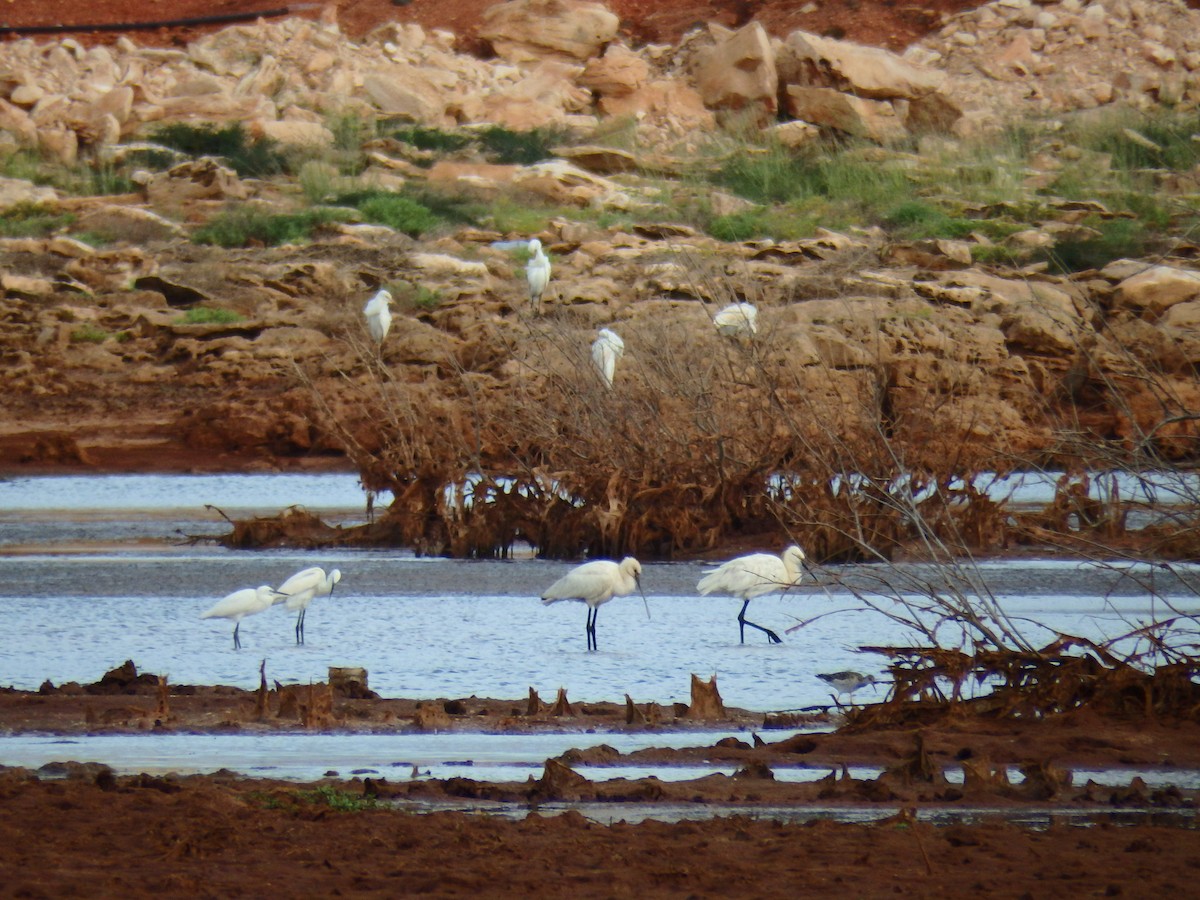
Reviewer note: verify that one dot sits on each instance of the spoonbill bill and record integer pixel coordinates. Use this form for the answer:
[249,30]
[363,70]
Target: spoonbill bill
[595,583]
[240,604]
[304,587]
[537,273]
[752,576]
[737,320]
[606,350]
[379,315]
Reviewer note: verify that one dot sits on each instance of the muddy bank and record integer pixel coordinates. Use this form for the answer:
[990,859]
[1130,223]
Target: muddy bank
[66,827]
[225,836]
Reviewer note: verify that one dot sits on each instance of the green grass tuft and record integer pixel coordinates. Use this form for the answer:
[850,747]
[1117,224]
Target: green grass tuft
[250,158]
[209,315]
[243,226]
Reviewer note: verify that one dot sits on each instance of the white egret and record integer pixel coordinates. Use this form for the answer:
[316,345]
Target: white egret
[606,350]
[304,587]
[751,576]
[847,682]
[537,273]
[379,315]
[240,604]
[737,320]
[595,583]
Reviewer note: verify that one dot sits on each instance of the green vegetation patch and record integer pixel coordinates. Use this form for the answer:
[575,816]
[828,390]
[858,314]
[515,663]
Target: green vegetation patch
[249,157]
[209,315]
[33,220]
[243,226]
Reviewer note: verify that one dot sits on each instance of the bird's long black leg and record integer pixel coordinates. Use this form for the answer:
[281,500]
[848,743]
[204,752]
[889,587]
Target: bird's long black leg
[237,643]
[743,622]
[300,627]
[591,627]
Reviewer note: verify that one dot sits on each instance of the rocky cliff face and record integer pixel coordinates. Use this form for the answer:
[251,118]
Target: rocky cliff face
[867,350]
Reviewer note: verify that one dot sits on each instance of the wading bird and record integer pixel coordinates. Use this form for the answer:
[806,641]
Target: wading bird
[606,350]
[537,273]
[751,576]
[304,587]
[240,604]
[379,315]
[595,583]
[737,320]
[847,682]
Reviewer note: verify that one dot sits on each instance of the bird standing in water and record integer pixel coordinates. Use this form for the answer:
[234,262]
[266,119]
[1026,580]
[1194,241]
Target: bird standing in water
[752,576]
[595,583]
[239,604]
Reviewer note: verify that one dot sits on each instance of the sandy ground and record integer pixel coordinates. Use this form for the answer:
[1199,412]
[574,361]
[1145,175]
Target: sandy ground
[80,830]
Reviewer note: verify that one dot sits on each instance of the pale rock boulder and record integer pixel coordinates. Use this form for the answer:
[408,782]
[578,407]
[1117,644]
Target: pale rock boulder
[618,73]
[201,179]
[446,266]
[561,182]
[794,134]
[19,192]
[807,59]
[738,72]
[546,94]
[292,132]
[525,31]
[670,103]
[17,122]
[1157,288]
[404,90]
[875,120]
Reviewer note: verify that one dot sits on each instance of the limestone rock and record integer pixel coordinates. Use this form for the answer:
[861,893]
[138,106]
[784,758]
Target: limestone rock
[404,90]
[524,31]
[618,73]
[19,192]
[738,73]
[806,59]
[873,119]
[1158,288]
[194,180]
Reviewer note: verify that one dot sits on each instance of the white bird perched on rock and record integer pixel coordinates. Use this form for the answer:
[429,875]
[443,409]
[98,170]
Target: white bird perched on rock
[240,604]
[606,350]
[304,587]
[595,583]
[847,682]
[737,320]
[751,576]
[379,315]
[537,273]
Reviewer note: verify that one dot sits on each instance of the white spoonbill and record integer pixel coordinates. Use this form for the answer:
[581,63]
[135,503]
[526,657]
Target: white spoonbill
[240,604]
[304,587]
[751,576]
[737,320]
[537,273]
[379,315]
[595,583]
[606,350]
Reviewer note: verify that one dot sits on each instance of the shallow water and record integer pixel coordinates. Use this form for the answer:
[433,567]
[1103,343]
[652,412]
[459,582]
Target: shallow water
[96,575]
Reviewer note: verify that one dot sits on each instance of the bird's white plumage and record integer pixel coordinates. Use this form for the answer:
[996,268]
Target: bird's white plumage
[595,583]
[239,604]
[379,315]
[756,574]
[302,588]
[752,576]
[537,273]
[606,350]
[737,320]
